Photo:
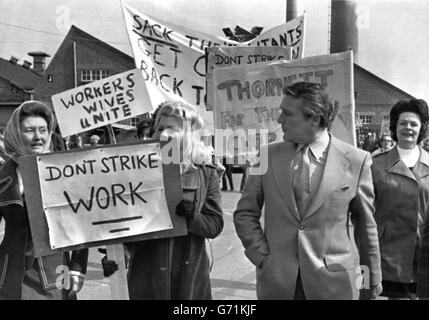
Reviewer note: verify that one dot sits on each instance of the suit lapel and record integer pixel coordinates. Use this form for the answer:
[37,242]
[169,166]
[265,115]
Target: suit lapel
[395,165]
[282,162]
[334,176]
[421,169]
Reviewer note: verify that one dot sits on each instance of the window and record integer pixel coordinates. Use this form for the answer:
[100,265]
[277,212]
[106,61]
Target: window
[86,75]
[134,121]
[386,118]
[365,119]
[105,73]
[94,75]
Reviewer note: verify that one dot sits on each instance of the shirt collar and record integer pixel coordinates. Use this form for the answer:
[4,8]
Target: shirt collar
[318,146]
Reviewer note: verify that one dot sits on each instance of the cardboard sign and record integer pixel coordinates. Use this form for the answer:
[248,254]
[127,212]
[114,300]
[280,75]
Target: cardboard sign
[249,96]
[105,195]
[220,57]
[173,61]
[100,103]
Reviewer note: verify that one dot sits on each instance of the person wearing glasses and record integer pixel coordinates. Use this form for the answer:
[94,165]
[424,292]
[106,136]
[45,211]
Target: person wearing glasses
[387,143]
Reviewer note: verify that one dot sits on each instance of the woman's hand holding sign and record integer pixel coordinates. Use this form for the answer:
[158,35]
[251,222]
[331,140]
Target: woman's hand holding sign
[186,208]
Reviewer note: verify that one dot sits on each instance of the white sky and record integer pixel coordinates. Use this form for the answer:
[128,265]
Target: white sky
[393,36]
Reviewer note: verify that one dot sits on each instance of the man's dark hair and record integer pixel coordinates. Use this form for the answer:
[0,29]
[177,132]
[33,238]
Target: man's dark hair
[417,106]
[316,101]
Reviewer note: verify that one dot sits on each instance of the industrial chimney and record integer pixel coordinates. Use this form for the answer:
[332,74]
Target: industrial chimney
[39,63]
[291,10]
[344,33]
[13,60]
[26,64]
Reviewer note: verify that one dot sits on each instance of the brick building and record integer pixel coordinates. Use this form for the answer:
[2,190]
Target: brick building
[17,82]
[80,59]
[374,97]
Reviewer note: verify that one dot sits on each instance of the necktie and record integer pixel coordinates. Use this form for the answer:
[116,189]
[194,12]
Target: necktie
[301,180]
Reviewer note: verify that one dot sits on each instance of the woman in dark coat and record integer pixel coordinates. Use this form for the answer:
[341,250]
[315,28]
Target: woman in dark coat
[423,267]
[401,183]
[179,268]
[22,275]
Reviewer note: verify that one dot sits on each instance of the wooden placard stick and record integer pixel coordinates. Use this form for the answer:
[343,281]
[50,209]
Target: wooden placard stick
[118,280]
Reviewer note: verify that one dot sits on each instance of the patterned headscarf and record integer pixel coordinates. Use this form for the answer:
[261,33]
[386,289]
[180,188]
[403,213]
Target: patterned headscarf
[13,144]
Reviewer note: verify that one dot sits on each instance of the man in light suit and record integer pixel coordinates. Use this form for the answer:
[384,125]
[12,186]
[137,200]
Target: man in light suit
[319,239]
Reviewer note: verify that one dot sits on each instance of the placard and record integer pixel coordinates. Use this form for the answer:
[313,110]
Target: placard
[221,57]
[172,58]
[101,196]
[100,103]
[249,96]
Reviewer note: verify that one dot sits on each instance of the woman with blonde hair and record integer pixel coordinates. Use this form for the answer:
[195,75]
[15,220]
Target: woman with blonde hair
[174,119]
[179,268]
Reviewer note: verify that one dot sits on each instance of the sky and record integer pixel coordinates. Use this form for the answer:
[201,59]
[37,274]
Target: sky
[393,38]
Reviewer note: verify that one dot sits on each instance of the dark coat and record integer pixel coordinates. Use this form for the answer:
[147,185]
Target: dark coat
[401,205]
[423,266]
[17,260]
[179,268]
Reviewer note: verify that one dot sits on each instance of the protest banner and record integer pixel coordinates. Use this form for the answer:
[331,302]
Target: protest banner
[220,57]
[101,196]
[173,61]
[248,96]
[100,103]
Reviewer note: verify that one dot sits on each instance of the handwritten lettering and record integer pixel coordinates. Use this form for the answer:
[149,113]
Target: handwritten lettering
[268,87]
[106,197]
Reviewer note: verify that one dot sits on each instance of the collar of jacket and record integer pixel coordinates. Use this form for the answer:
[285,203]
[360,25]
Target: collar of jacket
[394,165]
[190,179]
[337,160]
[9,186]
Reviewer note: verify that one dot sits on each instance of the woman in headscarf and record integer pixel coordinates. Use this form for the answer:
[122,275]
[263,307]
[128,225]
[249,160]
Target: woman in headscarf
[22,275]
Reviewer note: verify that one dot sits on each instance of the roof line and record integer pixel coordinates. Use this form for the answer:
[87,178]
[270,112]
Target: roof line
[88,37]
[384,81]
[25,69]
[13,83]
[76,34]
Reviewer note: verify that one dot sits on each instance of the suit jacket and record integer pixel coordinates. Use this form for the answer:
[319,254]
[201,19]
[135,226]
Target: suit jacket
[335,235]
[17,258]
[401,204]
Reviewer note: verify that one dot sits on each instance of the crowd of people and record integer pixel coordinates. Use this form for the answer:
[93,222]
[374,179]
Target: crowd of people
[340,222]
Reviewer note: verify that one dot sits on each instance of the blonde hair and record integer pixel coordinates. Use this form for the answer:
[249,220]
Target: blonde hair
[194,150]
